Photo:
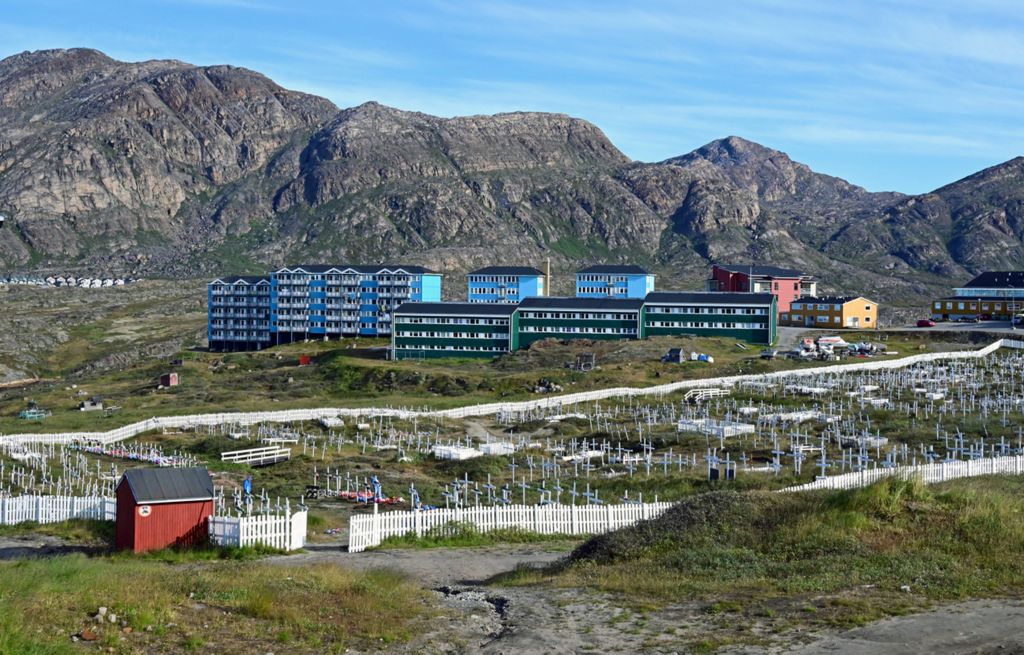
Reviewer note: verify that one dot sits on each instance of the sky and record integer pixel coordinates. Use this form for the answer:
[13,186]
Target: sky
[903,96]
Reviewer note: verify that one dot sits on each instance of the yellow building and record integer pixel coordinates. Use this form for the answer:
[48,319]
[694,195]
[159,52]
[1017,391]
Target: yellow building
[832,312]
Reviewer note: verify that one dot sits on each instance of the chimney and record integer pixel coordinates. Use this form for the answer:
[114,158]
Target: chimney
[547,278]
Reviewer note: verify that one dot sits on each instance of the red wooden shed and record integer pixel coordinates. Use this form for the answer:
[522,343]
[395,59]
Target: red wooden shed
[161,507]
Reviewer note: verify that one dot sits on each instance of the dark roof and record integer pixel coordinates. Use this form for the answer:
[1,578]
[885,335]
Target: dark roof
[828,300]
[611,304]
[248,279]
[164,485]
[456,308]
[763,271]
[709,297]
[979,297]
[997,280]
[506,270]
[359,268]
[615,269]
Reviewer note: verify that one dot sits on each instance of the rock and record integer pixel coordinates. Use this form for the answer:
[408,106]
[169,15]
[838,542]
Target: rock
[102,611]
[905,588]
[200,155]
[88,635]
[112,618]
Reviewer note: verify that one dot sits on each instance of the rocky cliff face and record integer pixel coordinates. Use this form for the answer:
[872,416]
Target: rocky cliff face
[164,168]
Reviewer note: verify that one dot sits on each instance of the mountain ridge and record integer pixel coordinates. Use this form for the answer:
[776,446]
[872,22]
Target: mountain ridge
[166,168]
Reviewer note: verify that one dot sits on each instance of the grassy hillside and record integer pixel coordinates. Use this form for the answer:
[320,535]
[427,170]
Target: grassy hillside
[221,606]
[761,563]
[355,373]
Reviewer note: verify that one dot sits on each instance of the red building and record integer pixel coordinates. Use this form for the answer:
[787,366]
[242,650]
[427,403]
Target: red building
[786,284]
[162,507]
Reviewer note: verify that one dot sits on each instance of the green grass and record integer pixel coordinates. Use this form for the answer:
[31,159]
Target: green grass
[347,376]
[83,531]
[210,606]
[834,559]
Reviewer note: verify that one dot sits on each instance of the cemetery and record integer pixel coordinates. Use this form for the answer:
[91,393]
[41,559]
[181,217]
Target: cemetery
[760,432]
[602,464]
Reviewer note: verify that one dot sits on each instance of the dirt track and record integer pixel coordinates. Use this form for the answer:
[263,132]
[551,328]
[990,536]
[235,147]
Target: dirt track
[494,619]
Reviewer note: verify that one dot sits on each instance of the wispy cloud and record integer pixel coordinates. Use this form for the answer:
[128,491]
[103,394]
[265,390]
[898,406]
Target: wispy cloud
[895,87]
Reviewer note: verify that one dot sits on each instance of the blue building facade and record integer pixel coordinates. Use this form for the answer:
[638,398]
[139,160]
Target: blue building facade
[238,314]
[614,281]
[504,284]
[317,302]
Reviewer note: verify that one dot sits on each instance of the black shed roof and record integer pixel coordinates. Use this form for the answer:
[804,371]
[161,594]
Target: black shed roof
[168,485]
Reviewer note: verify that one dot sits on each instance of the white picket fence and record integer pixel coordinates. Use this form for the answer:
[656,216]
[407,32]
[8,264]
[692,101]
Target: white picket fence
[292,415]
[273,530]
[929,473]
[369,531]
[54,509]
[257,456]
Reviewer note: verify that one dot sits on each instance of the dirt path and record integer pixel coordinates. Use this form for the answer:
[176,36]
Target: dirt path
[21,547]
[973,627]
[433,567]
[493,619]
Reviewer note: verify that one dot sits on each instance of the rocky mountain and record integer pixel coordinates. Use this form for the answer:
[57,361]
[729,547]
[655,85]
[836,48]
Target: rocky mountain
[162,168]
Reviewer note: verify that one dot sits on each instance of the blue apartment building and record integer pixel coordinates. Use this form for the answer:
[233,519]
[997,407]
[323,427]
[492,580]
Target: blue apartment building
[238,317]
[504,284]
[317,302]
[614,281]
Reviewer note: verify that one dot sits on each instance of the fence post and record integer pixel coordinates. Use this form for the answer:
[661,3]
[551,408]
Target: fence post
[418,521]
[39,509]
[536,527]
[376,525]
[572,519]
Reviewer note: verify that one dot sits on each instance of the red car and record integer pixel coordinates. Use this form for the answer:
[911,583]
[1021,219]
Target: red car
[926,322]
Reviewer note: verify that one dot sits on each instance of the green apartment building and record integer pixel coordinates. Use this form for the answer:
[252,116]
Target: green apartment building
[452,329]
[578,318]
[752,317]
[461,329]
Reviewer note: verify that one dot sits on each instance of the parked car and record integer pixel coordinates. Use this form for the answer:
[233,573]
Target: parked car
[968,319]
[769,353]
[926,322]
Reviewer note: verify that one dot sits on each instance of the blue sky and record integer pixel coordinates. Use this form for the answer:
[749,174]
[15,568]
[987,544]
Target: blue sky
[903,96]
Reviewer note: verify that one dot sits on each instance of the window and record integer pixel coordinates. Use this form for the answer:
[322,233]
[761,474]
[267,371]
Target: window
[867,319]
